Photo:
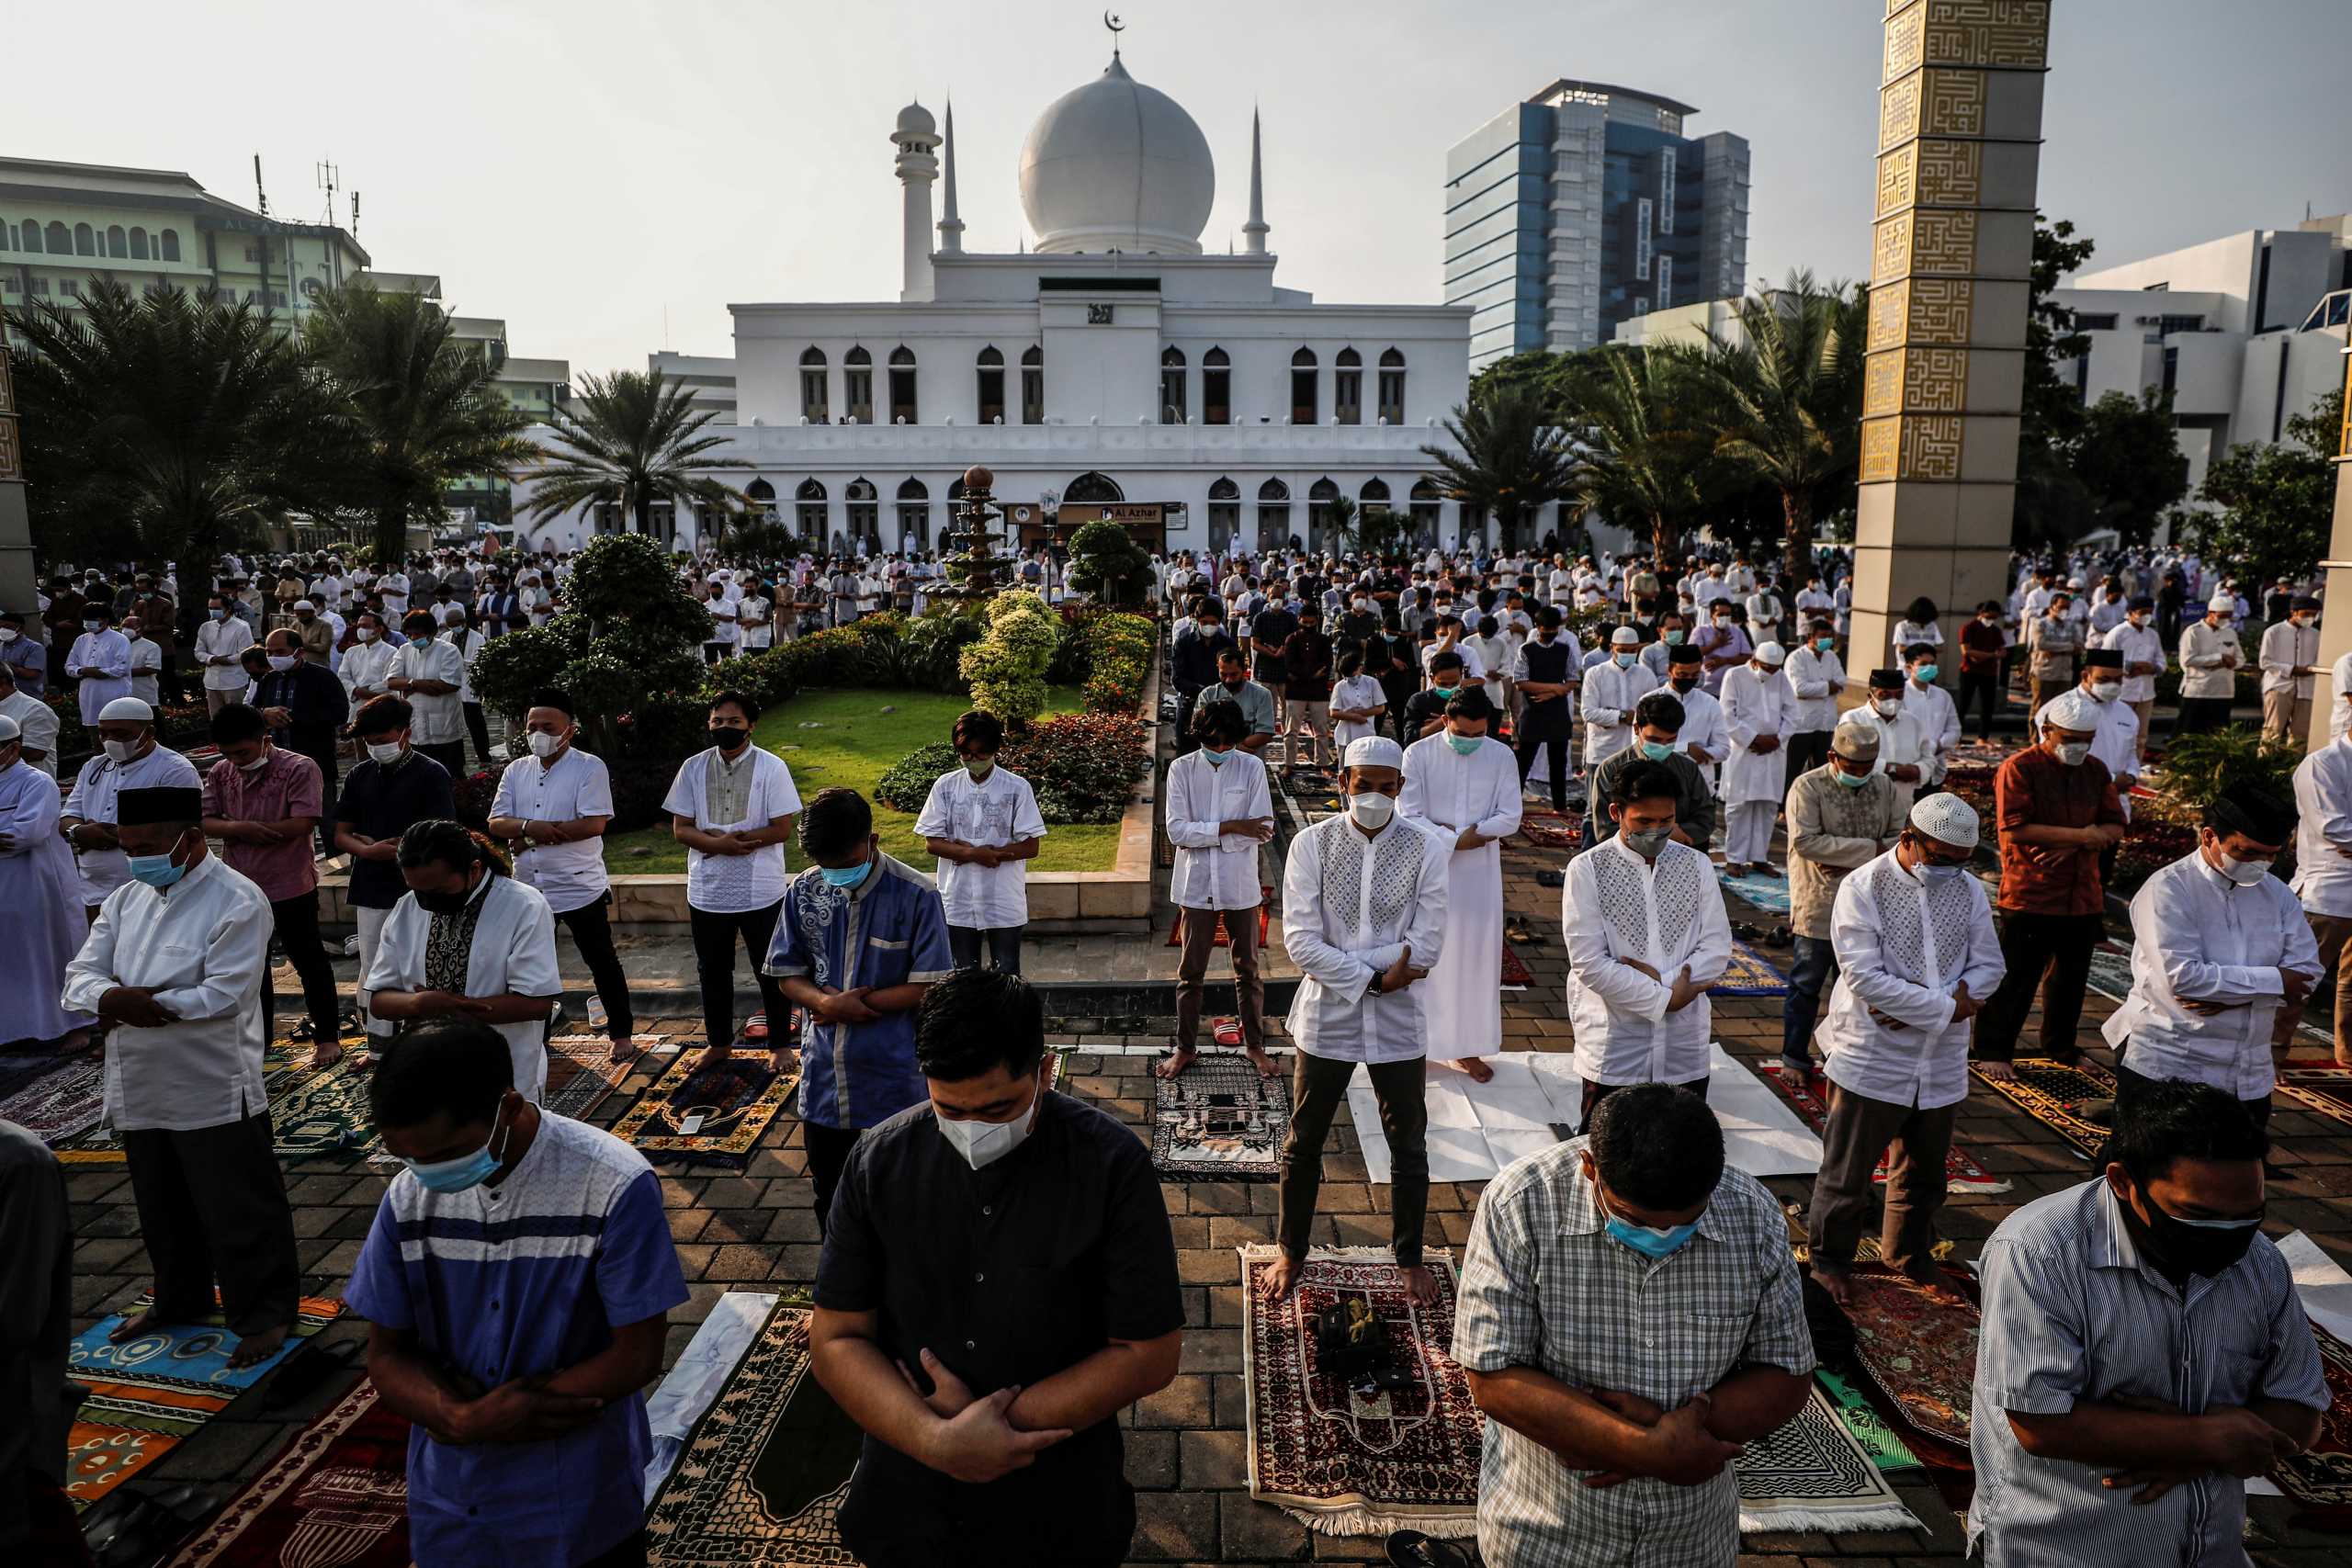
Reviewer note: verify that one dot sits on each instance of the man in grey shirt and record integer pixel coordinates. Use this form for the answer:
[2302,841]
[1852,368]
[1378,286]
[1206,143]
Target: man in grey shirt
[1257,704]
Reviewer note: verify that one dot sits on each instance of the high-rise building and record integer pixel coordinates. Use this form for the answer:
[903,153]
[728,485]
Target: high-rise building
[1584,206]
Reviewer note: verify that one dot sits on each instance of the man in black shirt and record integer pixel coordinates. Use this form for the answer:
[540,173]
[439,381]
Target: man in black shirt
[999,1282]
[1545,674]
[1192,664]
[305,707]
[1425,709]
[395,787]
[1268,632]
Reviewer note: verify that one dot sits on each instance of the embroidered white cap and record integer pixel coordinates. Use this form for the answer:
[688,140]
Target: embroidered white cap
[1946,818]
[1373,751]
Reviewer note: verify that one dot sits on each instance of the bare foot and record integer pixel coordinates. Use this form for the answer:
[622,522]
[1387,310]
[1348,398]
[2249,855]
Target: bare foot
[1280,1278]
[137,1324]
[711,1056]
[1838,1282]
[255,1349]
[69,1043]
[326,1053]
[1932,1273]
[627,1050]
[1266,1065]
[360,1058]
[1476,1068]
[1997,1072]
[782,1060]
[1422,1283]
[1169,1066]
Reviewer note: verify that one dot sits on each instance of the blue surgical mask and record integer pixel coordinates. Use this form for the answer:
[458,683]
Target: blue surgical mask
[1929,872]
[1651,1243]
[1852,781]
[846,875]
[1926,674]
[1657,750]
[156,871]
[459,1175]
[1465,745]
[1445,692]
[1624,660]
[1674,639]
[1216,759]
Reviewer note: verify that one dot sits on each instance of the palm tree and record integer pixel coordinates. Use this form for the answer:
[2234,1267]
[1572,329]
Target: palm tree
[634,437]
[1645,454]
[1787,390]
[427,404]
[170,424]
[1511,459]
[1341,522]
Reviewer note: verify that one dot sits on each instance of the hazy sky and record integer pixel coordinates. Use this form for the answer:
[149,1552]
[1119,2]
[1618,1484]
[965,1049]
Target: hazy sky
[582,168]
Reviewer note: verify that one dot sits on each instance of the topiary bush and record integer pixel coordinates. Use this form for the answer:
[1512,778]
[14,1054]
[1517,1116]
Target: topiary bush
[1006,669]
[907,787]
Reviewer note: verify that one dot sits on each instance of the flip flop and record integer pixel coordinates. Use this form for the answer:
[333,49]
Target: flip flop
[1227,1031]
[756,1031]
[1411,1549]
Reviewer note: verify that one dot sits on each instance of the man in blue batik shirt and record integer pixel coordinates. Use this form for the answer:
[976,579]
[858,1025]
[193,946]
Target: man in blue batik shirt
[861,937]
[517,1283]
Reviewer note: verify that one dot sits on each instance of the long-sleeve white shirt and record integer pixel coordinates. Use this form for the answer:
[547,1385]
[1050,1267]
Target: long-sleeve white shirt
[512,954]
[1757,706]
[1350,907]
[2197,936]
[2209,660]
[2323,826]
[215,640]
[202,944]
[1903,740]
[2139,644]
[365,667]
[1939,717]
[1609,693]
[438,718]
[92,799]
[1216,870]
[2339,713]
[1814,679]
[2285,649]
[1452,791]
[1702,726]
[1666,913]
[1904,944]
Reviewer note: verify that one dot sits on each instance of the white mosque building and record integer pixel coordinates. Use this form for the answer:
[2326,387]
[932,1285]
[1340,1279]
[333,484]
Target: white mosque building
[1111,366]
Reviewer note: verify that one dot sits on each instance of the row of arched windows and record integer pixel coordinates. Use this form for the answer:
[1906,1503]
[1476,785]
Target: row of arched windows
[115,241]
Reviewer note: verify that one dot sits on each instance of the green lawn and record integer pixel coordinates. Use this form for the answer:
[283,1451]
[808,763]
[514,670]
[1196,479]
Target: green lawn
[855,744]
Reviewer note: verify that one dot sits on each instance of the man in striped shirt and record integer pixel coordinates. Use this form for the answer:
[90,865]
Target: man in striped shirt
[2144,1350]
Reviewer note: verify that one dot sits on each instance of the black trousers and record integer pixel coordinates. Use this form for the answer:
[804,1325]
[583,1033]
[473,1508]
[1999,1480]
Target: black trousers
[828,1153]
[1185,698]
[450,754]
[477,725]
[297,920]
[2129,1083]
[714,937]
[213,1208]
[1554,740]
[1808,748]
[592,928]
[1981,689]
[1003,943]
[2031,945]
[2199,714]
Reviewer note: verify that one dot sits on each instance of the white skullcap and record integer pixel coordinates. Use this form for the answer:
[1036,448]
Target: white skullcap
[1772,652]
[127,707]
[1626,635]
[9,730]
[304,605]
[1373,751]
[2074,583]
[2075,709]
[1946,818]
[2223,602]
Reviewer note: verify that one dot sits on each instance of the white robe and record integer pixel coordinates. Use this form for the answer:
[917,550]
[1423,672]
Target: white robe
[1350,906]
[1450,792]
[1702,726]
[102,663]
[1610,695]
[1667,914]
[1755,706]
[1903,739]
[41,924]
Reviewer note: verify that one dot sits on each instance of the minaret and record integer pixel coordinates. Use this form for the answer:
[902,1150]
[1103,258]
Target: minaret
[1254,231]
[951,227]
[917,138]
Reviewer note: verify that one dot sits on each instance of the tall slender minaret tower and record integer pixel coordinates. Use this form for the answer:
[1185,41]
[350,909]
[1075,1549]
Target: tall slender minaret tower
[917,138]
[951,227]
[1254,231]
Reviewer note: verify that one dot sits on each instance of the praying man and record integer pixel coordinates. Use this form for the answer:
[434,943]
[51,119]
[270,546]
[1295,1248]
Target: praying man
[1464,783]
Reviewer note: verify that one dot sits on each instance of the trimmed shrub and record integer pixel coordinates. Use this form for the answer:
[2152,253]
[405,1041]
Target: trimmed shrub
[1083,766]
[907,786]
[1006,669]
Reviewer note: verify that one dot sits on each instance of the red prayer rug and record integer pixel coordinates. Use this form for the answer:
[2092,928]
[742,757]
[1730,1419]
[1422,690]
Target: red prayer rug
[2327,1090]
[2320,1476]
[1362,1460]
[1218,938]
[1962,1174]
[1515,975]
[1917,1342]
[1549,828]
[2052,1092]
[336,1498]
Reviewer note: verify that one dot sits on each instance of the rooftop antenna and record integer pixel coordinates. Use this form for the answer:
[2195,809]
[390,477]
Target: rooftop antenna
[327,174]
[355,212]
[1117,24]
[260,195]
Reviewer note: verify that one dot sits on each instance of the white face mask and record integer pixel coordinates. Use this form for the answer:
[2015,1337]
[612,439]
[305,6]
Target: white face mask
[544,745]
[385,751]
[9,635]
[121,751]
[2107,691]
[2073,753]
[366,634]
[983,1144]
[281,662]
[2244,873]
[1371,810]
[1887,706]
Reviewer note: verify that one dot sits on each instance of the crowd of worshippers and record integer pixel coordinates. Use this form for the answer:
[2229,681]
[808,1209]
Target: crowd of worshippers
[1629,1308]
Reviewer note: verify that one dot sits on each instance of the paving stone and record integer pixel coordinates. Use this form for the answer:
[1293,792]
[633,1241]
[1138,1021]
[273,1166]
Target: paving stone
[1259,1532]
[1211,1461]
[1184,1402]
[1152,1460]
[1174,1526]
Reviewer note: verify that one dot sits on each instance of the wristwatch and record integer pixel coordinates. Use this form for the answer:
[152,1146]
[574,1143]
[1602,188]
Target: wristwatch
[1379,982]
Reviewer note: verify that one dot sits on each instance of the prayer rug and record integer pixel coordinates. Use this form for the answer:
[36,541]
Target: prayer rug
[1769,893]
[1864,1424]
[712,1114]
[19,1071]
[1917,1342]
[766,1468]
[1750,975]
[337,1495]
[62,1103]
[1515,975]
[1962,1174]
[1218,938]
[321,1110]
[1550,830]
[1358,1462]
[2327,1090]
[720,1344]
[2050,1091]
[147,1394]
[1218,1121]
[1812,1474]
[2320,1478]
[581,1072]
[284,1062]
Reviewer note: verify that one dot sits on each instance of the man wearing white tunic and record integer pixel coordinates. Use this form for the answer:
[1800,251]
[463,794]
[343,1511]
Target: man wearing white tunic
[1612,691]
[1917,960]
[1465,784]
[370,663]
[128,757]
[1816,677]
[1757,716]
[2324,872]
[100,660]
[173,967]
[1365,918]
[1220,810]
[35,720]
[982,823]
[1907,757]
[40,896]
[1647,934]
[1938,715]
[146,661]
[2219,946]
[2143,648]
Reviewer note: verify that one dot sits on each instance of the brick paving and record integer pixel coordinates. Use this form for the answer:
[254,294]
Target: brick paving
[1185,1450]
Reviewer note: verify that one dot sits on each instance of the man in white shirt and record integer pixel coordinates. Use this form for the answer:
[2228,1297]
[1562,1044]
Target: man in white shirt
[1702,737]
[146,662]
[368,664]
[394,585]
[1916,959]
[1464,784]
[219,641]
[2143,648]
[1816,676]
[100,660]
[1220,810]
[1642,920]
[173,967]
[36,722]
[1758,715]
[128,758]
[554,807]
[1613,689]
[1363,917]
[430,674]
[2289,658]
[1905,753]
[2323,872]
[981,821]
[2220,950]
[2210,656]
[1931,705]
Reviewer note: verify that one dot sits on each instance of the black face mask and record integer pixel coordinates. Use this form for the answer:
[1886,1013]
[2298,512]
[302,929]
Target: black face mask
[728,737]
[444,903]
[2177,1250]
[1682,686]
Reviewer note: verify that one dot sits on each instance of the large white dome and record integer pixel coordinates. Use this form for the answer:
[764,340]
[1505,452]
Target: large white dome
[1116,165]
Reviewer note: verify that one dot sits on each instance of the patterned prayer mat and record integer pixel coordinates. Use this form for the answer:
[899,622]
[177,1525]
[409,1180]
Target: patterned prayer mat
[1865,1251]
[64,1102]
[1812,1475]
[2050,1091]
[726,1106]
[1750,975]
[1313,783]
[1348,1462]
[337,1495]
[2327,1090]
[1962,1174]
[581,1072]
[1218,938]
[1550,830]
[1769,893]
[1218,1121]
[766,1468]
[284,1062]
[1864,1424]
[2320,1476]
[1515,975]
[1919,1344]
[148,1393]
[20,1070]
[321,1110]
